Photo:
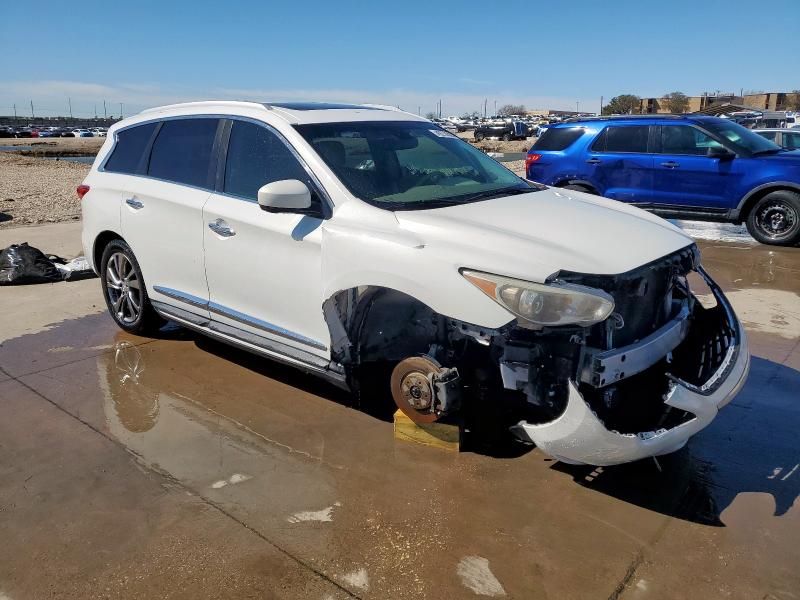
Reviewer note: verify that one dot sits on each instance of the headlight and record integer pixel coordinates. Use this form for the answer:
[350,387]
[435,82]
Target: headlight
[545,305]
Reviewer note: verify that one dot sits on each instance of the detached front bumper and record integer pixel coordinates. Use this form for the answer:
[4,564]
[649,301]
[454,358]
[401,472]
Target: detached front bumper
[578,436]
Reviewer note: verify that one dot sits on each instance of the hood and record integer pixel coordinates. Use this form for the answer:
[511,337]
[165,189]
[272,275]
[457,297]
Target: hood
[531,236]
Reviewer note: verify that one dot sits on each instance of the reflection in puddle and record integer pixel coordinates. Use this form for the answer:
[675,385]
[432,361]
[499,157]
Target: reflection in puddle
[134,404]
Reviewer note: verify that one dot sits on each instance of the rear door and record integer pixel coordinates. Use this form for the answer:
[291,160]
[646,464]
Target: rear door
[684,176]
[619,163]
[162,211]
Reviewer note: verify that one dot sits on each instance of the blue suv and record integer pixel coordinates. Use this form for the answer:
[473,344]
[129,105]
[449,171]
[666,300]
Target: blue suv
[690,167]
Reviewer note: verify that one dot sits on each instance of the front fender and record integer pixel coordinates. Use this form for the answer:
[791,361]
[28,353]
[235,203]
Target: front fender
[355,257]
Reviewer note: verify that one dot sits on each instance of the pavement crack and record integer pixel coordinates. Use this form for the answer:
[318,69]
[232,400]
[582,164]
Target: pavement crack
[626,579]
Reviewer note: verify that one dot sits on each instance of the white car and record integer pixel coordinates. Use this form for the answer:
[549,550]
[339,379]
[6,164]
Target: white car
[98,132]
[366,246]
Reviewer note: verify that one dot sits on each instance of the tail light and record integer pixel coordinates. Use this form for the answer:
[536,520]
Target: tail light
[82,190]
[531,158]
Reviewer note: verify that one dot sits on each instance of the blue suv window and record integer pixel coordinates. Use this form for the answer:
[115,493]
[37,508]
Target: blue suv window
[558,138]
[622,138]
[683,139]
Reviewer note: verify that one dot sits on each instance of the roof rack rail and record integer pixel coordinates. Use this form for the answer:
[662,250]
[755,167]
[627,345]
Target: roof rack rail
[625,117]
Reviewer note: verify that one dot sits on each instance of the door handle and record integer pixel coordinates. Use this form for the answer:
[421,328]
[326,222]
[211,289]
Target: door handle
[594,161]
[134,203]
[671,164]
[220,227]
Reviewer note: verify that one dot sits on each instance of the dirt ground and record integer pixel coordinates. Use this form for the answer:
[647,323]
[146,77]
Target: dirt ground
[176,467]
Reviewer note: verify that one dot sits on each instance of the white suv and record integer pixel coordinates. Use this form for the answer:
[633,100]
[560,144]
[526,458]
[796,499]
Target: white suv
[369,246]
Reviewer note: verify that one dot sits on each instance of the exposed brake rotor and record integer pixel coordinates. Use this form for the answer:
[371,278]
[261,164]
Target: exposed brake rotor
[413,389]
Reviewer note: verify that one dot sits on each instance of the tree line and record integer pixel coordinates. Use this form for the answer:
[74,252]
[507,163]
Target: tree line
[674,102]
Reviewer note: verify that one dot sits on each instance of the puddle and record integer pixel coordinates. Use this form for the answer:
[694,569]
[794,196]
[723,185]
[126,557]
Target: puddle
[15,148]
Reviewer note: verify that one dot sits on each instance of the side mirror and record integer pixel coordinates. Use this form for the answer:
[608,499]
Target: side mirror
[720,153]
[288,195]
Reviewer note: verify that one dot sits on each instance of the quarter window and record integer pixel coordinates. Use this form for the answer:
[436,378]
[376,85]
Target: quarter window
[623,138]
[558,138]
[256,156]
[682,139]
[791,141]
[182,151]
[127,153]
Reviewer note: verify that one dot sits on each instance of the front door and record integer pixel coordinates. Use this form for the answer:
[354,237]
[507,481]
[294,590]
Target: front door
[685,177]
[263,268]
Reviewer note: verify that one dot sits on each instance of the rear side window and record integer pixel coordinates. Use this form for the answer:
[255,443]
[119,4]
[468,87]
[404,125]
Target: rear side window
[127,153]
[558,138]
[622,138]
[791,141]
[182,151]
[256,156]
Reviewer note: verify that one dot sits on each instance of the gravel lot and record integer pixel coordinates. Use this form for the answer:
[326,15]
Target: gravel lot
[35,190]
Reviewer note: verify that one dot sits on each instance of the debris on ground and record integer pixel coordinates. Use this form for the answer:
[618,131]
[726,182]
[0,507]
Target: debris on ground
[23,264]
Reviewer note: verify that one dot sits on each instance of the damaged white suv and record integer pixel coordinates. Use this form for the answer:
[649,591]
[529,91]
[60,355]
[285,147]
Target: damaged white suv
[357,242]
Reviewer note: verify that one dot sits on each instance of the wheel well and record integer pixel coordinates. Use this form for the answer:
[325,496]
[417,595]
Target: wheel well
[751,201]
[565,182]
[100,244]
[375,323]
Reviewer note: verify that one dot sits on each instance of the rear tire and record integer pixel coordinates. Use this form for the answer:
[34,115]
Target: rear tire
[479,137]
[125,291]
[775,219]
[506,137]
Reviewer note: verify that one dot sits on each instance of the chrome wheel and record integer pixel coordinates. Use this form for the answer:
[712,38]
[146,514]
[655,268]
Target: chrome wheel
[776,220]
[123,288]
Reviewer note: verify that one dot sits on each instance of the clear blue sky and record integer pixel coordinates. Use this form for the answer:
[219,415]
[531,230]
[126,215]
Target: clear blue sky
[543,54]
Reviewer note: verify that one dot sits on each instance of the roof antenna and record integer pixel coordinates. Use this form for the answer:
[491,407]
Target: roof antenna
[658,466]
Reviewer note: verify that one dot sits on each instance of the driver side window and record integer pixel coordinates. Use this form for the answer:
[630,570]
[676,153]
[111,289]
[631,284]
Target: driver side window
[257,156]
[682,139]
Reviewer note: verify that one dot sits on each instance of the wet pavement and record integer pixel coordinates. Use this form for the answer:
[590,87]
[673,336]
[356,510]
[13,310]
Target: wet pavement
[180,468]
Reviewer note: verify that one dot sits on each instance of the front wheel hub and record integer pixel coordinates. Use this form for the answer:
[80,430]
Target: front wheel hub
[413,390]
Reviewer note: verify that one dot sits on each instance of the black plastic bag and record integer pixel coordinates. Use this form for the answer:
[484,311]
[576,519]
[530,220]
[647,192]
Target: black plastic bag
[21,263]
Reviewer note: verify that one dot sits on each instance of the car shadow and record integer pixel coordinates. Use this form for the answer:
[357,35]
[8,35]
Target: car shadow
[750,447]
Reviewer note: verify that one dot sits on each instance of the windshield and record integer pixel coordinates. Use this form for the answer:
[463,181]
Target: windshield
[409,165]
[740,138]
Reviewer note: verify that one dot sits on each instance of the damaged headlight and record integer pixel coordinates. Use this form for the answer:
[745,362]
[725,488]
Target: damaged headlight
[545,305]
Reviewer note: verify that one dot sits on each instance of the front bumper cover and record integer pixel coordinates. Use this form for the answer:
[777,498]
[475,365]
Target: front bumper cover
[578,436]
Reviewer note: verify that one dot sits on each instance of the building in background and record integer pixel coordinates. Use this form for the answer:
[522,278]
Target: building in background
[769,101]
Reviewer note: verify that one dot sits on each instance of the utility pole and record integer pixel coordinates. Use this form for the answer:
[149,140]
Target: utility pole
[601,106]
[485,101]
[105,112]
[120,110]
[95,110]
[15,112]
[577,104]
[419,110]
[70,107]
[495,108]
[32,115]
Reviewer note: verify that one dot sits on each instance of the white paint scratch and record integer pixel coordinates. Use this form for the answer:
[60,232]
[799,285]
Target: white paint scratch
[475,575]
[324,516]
[357,579]
[790,473]
[232,480]
[641,585]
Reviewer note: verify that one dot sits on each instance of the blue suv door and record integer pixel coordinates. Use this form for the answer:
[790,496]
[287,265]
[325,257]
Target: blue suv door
[618,163]
[685,176]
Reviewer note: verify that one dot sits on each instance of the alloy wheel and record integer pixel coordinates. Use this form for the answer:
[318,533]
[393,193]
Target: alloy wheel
[123,288]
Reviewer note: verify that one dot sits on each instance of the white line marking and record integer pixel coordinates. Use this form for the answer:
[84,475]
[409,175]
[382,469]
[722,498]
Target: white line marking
[232,480]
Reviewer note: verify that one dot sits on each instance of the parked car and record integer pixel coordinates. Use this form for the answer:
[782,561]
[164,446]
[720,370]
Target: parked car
[82,133]
[502,130]
[785,138]
[365,246]
[691,167]
[45,133]
[6,132]
[67,133]
[23,132]
[98,132]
